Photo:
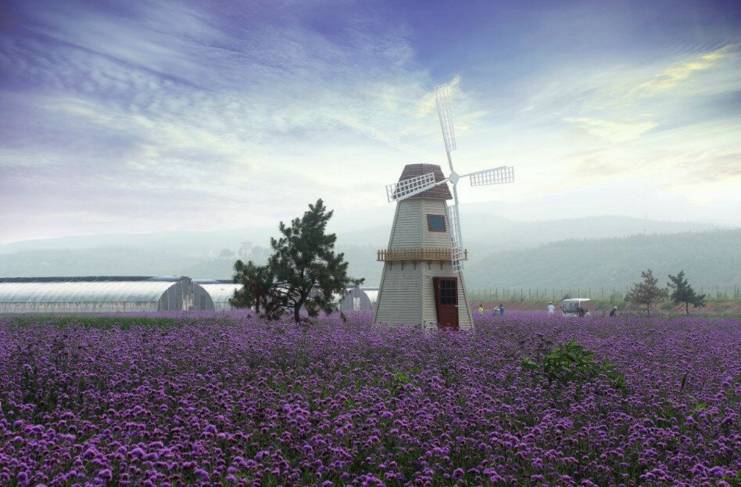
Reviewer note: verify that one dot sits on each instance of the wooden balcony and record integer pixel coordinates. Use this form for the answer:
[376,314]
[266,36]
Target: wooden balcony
[417,254]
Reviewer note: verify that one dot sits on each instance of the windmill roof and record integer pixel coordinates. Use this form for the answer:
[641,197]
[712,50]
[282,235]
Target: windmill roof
[441,192]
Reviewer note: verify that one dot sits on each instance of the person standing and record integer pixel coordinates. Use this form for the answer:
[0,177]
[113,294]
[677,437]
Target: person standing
[551,309]
[614,311]
[501,309]
[481,309]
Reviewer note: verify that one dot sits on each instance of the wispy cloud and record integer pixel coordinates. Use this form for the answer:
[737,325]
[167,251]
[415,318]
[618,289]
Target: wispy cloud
[677,73]
[611,130]
[261,107]
[239,134]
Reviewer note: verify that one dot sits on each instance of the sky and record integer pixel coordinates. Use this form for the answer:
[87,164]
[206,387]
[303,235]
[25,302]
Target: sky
[146,116]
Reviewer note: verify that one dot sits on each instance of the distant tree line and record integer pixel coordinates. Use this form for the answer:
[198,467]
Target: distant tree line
[648,293]
[711,260]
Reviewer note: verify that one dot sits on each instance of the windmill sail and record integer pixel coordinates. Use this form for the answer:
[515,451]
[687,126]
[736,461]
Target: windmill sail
[457,254]
[498,175]
[442,96]
[447,306]
[407,188]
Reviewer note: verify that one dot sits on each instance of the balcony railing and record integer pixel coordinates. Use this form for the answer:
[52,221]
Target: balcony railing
[419,254]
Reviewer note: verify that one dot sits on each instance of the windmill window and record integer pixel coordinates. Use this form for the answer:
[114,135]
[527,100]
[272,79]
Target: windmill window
[448,291]
[436,223]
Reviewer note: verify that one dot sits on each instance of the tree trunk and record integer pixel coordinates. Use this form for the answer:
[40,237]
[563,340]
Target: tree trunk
[297,310]
[686,308]
[297,313]
[297,307]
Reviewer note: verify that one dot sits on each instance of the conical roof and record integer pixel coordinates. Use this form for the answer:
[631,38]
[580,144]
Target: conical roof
[441,192]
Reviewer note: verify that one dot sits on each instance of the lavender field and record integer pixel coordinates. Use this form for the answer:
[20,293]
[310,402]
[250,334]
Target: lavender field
[235,401]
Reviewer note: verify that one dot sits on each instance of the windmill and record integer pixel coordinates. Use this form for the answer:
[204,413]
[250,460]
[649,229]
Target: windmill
[423,295]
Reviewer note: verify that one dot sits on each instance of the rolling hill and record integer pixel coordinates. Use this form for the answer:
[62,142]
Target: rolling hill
[709,259]
[504,253]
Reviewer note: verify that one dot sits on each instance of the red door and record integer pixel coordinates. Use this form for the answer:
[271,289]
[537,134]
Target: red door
[446,301]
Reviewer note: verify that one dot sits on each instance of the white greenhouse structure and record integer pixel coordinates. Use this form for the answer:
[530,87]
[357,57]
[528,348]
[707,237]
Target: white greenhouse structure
[101,294]
[359,299]
[136,294]
[218,294]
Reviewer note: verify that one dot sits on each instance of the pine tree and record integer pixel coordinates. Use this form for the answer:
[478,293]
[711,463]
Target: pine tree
[258,289]
[646,292]
[308,273]
[683,292]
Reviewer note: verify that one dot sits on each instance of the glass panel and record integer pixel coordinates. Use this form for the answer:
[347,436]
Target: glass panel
[436,223]
[448,291]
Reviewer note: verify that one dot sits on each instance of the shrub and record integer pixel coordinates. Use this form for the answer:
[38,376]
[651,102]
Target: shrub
[570,362]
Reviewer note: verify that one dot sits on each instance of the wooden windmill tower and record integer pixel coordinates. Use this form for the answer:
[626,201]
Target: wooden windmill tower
[422,281]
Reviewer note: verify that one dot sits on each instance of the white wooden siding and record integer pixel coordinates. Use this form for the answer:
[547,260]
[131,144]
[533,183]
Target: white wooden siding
[410,225]
[406,296]
[407,230]
[434,239]
[400,297]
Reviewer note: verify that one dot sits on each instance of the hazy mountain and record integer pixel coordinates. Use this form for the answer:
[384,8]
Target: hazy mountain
[190,243]
[502,234]
[212,254]
[373,229]
[710,259]
[484,231]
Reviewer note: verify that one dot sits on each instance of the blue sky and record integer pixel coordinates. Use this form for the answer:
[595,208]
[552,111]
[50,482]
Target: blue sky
[145,116]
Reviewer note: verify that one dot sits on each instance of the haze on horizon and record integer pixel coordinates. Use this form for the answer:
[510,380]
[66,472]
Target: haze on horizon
[160,116]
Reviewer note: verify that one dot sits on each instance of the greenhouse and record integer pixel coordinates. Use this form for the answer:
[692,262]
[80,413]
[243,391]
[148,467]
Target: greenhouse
[135,294]
[217,295]
[359,299]
[101,294]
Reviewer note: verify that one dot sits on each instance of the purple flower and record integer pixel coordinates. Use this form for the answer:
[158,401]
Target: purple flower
[239,401]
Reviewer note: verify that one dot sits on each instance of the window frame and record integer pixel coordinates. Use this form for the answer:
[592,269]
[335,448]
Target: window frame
[429,225]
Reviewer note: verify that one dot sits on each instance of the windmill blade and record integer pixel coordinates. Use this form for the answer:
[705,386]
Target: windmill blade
[442,98]
[498,175]
[457,254]
[407,188]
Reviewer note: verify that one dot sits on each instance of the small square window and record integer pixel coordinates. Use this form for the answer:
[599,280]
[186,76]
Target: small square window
[436,223]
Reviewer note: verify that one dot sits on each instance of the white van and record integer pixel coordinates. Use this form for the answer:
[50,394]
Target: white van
[576,307]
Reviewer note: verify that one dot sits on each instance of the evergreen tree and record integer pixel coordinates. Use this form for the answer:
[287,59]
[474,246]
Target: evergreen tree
[646,292]
[258,289]
[308,273]
[683,292]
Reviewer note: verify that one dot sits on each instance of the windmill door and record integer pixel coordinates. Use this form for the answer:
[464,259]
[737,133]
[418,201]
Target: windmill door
[446,301]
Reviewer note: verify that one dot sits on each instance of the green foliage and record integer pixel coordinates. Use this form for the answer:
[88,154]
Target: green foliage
[699,407]
[308,272]
[647,292]
[398,380]
[258,289]
[570,362]
[303,272]
[682,292]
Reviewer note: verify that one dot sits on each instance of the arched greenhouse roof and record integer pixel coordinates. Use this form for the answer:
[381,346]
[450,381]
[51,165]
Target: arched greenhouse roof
[372,294]
[92,291]
[220,292]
